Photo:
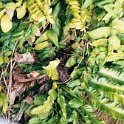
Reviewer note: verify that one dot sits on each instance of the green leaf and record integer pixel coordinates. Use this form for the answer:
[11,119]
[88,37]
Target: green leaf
[75,103]
[53,37]
[103,103]
[39,99]
[62,103]
[113,74]
[73,84]
[74,117]
[71,61]
[53,120]
[86,4]
[35,120]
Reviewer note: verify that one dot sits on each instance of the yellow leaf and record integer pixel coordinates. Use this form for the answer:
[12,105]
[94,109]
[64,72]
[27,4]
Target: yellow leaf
[33,39]
[42,38]
[6,59]
[1,88]
[19,3]
[99,42]
[21,11]
[5,101]
[1,60]
[118,25]
[114,42]
[55,85]
[11,6]
[6,23]
[41,46]
[101,32]
[1,5]
[2,13]
[51,69]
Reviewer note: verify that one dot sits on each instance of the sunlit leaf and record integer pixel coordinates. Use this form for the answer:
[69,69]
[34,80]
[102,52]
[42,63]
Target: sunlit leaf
[101,32]
[11,6]
[1,60]
[118,25]
[6,23]
[41,46]
[2,12]
[114,42]
[51,69]
[21,11]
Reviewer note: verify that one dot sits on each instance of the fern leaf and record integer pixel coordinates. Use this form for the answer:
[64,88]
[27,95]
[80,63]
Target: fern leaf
[87,114]
[43,110]
[40,10]
[115,75]
[105,104]
[106,85]
[109,89]
[80,17]
[61,101]
[114,97]
[84,110]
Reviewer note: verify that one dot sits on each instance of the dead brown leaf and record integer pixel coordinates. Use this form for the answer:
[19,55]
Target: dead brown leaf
[23,78]
[29,100]
[26,58]
[22,81]
[42,78]
[63,73]
[67,39]
[33,74]
[43,88]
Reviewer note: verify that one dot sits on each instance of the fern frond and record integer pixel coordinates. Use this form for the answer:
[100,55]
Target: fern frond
[87,114]
[80,16]
[109,89]
[106,85]
[114,97]
[43,110]
[113,74]
[62,103]
[39,11]
[105,104]
[85,111]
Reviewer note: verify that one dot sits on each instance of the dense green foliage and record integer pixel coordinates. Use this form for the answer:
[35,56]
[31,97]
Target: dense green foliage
[78,46]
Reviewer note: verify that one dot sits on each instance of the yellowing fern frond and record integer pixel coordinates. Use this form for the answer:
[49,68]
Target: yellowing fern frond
[40,10]
[43,110]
